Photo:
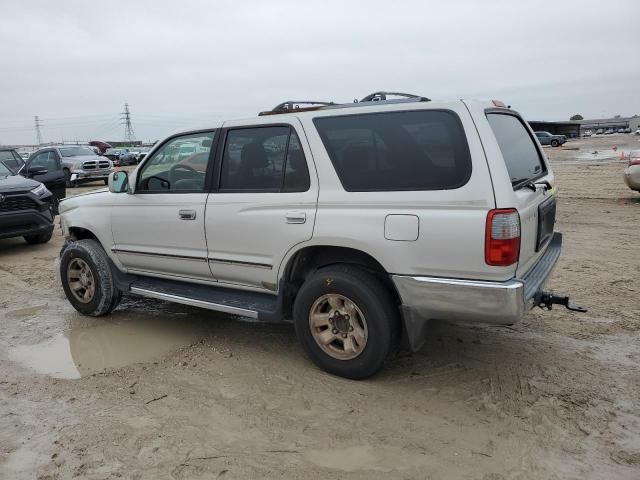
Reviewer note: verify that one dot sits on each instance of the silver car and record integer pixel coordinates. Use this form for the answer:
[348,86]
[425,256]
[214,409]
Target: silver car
[80,164]
[632,173]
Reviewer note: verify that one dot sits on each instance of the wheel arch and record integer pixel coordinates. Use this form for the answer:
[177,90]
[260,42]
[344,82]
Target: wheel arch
[309,259]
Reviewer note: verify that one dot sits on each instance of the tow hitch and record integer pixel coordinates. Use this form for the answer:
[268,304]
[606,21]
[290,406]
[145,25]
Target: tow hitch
[548,300]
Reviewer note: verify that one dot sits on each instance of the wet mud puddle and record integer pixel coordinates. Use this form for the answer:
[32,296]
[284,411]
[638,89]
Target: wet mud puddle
[87,349]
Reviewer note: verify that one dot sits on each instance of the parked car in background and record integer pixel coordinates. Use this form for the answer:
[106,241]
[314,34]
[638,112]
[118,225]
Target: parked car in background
[546,138]
[26,208]
[25,155]
[113,154]
[10,158]
[44,169]
[632,173]
[609,131]
[637,132]
[79,164]
[621,130]
[600,131]
[102,146]
[626,130]
[143,153]
[587,133]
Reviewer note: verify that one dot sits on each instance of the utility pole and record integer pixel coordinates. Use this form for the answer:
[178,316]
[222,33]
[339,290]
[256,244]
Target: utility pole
[38,125]
[125,116]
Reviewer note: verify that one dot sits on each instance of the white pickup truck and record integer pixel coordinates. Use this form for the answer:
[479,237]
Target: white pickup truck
[358,222]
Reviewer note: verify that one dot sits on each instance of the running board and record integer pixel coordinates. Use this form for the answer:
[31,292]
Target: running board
[260,306]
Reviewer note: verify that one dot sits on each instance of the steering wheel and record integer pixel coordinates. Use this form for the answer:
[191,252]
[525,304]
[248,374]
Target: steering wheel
[173,172]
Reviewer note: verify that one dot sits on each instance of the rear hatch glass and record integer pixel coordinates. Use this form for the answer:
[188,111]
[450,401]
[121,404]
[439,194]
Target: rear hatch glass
[519,151]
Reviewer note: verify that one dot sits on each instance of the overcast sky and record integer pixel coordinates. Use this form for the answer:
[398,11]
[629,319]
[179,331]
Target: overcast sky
[183,63]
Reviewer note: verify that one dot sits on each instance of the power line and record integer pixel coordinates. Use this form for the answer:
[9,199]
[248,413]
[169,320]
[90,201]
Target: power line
[38,124]
[129,136]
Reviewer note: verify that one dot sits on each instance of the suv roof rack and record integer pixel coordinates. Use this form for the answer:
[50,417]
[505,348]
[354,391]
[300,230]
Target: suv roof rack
[376,97]
[382,96]
[291,105]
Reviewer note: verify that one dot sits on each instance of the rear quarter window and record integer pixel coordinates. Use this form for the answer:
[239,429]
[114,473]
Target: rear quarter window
[416,150]
[519,151]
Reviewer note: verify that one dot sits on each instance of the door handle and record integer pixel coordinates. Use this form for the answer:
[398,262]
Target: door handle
[296,217]
[187,214]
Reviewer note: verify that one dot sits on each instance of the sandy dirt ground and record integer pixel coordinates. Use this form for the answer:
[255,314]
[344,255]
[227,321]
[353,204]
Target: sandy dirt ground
[165,391]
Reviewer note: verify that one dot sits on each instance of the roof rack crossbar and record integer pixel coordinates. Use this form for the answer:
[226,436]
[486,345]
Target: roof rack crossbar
[295,105]
[381,96]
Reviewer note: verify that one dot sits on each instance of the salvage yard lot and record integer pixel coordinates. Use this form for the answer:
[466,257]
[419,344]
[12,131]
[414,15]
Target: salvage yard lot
[167,391]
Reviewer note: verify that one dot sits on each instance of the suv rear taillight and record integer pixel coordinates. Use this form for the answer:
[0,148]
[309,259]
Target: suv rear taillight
[502,237]
[634,160]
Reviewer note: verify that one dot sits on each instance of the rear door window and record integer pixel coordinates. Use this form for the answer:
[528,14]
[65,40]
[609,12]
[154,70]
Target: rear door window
[264,159]
[418,150]
[518,148]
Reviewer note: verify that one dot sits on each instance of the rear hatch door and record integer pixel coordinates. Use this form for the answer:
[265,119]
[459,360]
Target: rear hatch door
[528,170]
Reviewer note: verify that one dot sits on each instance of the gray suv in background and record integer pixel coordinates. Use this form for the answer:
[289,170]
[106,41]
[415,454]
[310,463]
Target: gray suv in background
[546,138]
[80,164]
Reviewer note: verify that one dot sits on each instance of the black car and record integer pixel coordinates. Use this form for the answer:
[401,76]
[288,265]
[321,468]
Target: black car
[44,168]
[26,208]
[10,158]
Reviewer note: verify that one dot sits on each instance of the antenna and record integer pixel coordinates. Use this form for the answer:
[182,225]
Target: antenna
[129,136]
[38,123]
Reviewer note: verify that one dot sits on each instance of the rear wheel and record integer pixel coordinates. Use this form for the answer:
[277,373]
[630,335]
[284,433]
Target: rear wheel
[106,181]
[347,321]
[87,279]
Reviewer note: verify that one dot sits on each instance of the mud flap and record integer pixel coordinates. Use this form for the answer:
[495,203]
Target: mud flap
[415,329]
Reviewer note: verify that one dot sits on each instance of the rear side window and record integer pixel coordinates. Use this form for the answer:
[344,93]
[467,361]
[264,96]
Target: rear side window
[420,150]
[518,148]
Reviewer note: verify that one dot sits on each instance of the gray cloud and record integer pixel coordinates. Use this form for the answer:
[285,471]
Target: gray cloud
[75,63]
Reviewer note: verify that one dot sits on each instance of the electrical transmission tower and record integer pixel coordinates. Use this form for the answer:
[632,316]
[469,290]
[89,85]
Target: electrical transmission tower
[125,116]
[38,125]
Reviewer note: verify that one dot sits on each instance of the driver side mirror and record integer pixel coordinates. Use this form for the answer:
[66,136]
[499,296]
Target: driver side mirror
[118,182]
[36,170]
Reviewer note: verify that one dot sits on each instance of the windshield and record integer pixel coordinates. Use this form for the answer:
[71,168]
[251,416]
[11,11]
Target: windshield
[76,151]
[4,171]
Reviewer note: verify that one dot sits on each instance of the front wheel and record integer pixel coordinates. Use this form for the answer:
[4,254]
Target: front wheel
[106,181]
[347,321]
[554,143]
[87,279]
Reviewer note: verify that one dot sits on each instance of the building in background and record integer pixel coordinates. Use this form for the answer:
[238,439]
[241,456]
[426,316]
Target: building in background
[615,123]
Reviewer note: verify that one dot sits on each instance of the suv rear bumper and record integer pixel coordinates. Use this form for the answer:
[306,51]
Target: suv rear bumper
[501,303]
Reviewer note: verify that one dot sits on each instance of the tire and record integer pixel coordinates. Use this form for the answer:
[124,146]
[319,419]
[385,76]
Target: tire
[106,181]
[36,239]
[103,294]
[375,308]
[554,143]
[67,179]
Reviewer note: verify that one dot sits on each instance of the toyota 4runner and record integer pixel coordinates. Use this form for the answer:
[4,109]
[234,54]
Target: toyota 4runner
[358,222]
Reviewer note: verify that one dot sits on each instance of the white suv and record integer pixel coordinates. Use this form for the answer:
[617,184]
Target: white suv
[358,222]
